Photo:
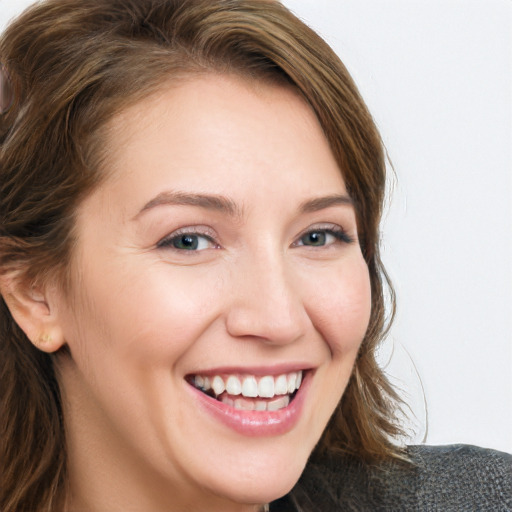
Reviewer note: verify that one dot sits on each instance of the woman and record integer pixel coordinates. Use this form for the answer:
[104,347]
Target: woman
[192,291]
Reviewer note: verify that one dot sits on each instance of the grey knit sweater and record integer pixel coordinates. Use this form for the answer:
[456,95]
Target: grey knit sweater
[441,478]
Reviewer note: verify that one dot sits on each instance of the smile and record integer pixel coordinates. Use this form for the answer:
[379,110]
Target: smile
[250,392]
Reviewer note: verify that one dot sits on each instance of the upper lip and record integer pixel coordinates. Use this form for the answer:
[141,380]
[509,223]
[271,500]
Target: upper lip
[277,369]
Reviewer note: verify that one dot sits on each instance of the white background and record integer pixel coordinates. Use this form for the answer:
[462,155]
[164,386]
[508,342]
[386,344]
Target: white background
[437,75]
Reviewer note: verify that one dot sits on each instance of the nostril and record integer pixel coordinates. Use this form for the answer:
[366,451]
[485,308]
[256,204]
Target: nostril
[268,327]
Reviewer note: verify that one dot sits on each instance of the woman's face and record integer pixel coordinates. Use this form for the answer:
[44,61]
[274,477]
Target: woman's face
[220,252]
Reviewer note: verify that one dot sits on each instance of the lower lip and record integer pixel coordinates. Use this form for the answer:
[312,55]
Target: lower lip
[256,423]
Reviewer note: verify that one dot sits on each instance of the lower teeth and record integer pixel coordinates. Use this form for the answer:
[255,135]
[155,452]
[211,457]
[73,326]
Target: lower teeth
[244,404]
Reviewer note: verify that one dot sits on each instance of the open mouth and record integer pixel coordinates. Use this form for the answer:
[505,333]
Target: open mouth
[250,392]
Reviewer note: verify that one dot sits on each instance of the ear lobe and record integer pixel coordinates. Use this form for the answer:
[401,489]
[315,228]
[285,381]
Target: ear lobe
[33,313]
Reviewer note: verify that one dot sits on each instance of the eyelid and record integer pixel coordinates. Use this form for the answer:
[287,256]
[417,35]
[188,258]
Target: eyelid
[203,231]
[336,230]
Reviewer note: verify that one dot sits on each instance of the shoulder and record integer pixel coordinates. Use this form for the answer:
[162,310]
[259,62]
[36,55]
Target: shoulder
[448,478]
[467,463]
[464,477]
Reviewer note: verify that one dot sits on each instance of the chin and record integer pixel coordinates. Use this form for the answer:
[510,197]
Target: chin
[263,488]
[261,475]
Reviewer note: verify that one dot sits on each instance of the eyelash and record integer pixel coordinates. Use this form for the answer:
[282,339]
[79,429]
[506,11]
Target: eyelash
[169,240]
[339,234]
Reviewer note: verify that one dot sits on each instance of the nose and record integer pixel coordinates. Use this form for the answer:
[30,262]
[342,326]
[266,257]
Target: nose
[266,303]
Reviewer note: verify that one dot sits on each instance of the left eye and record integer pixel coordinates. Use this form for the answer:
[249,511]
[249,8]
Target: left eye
[322,237]
[317,238]
[187,242]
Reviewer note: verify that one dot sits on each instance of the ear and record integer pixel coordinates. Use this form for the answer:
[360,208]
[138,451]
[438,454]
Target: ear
[33,311]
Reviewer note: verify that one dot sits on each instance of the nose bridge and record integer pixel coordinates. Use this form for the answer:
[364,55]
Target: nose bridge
[267,303]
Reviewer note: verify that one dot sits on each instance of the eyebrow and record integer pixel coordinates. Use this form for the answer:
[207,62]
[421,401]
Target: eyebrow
[226,205]
[321,203]
[206,201]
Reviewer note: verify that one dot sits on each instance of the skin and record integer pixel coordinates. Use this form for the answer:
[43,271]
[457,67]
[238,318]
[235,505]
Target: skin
[256,293]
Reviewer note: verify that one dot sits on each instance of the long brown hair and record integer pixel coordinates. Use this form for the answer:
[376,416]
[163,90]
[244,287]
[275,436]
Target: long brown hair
[74,64]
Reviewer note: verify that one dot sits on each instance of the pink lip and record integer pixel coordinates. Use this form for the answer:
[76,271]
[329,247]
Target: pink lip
[256,423]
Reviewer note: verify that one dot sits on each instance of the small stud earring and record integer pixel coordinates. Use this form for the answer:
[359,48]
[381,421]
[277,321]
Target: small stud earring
[44,339]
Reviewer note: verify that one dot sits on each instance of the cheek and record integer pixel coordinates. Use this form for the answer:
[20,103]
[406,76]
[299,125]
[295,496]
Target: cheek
[340,307]
[128,331]
[149,316]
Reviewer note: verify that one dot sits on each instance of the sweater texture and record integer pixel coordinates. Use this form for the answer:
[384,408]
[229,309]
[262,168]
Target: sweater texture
[456,478]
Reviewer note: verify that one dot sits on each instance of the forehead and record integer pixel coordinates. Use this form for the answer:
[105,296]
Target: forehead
[207,100]
[216,133]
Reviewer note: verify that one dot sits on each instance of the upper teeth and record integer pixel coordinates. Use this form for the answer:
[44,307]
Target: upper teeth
[250,386]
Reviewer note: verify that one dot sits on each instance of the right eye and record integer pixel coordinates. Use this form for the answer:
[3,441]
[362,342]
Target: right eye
[187,242]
